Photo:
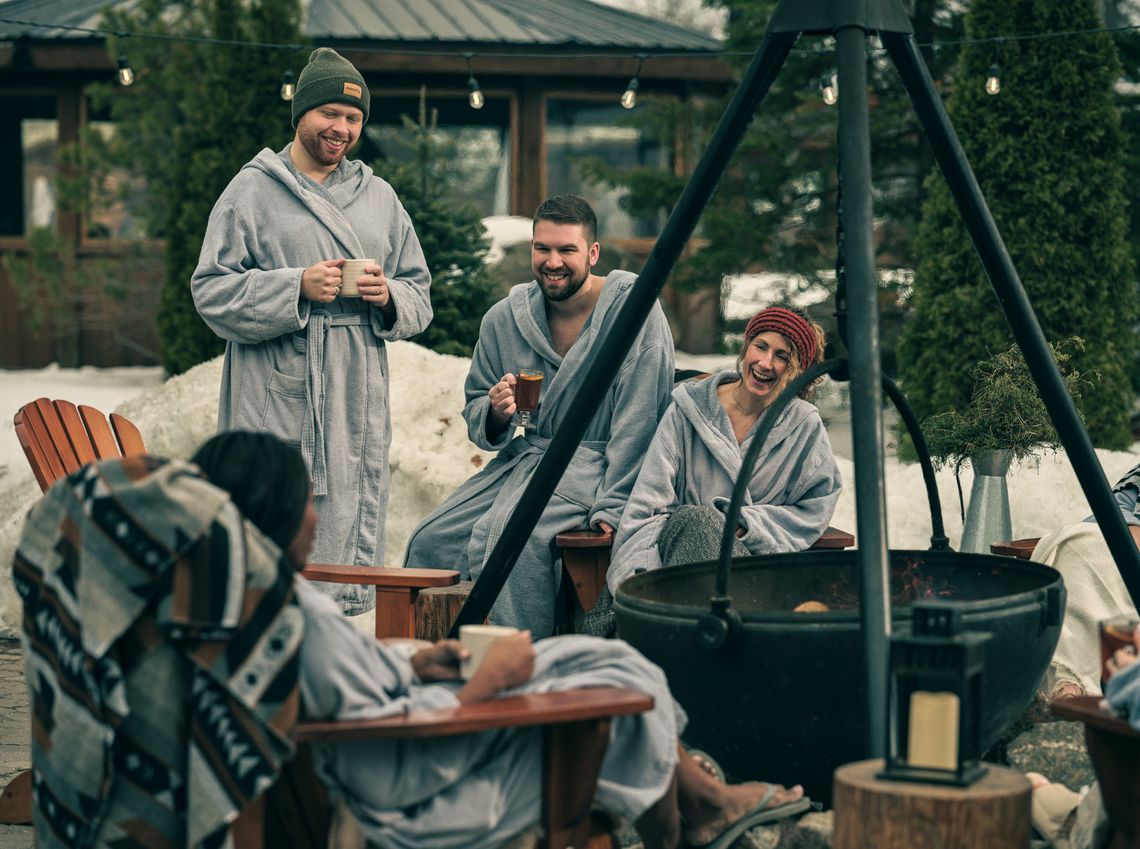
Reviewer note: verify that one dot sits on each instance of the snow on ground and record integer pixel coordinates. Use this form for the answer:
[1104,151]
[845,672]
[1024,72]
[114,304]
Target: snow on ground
[504,231]
[431,454]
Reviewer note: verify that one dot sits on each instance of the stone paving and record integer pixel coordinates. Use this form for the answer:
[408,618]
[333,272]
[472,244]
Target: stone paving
[14,733]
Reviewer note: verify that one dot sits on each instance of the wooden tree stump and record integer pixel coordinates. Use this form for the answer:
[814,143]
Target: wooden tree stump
[993,812]
[436,609]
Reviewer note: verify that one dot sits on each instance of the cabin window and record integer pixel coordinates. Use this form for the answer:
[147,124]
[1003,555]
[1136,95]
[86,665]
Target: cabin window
[581,129]
[478,166]
[29,132]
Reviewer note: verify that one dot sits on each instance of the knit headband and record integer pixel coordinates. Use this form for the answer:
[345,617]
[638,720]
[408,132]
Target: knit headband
[794,327]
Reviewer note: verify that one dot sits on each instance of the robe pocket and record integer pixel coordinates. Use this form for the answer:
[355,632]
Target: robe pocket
[286,407]
[580,482]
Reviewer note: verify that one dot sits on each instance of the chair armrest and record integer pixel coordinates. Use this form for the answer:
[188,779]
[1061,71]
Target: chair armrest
[512,711]
[584,538]
[1086,709]
[833,538]
[1022,549]
[381,576]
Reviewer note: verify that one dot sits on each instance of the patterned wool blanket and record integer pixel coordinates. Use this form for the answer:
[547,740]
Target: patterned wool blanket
[160,642]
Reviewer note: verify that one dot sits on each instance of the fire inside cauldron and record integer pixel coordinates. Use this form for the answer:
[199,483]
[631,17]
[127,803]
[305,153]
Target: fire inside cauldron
[787,702]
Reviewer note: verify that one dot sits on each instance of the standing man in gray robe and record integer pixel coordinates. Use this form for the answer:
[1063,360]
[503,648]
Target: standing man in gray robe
[302,362]
[550,324]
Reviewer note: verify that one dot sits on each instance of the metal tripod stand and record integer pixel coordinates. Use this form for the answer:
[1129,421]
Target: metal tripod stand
[851,22]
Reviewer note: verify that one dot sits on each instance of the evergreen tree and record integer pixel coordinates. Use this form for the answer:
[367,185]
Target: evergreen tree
[1048,154]
[195,114]
[452,236]
[776,208]
[1127,96]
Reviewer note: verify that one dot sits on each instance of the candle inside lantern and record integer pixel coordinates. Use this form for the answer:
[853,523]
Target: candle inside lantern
[932,739]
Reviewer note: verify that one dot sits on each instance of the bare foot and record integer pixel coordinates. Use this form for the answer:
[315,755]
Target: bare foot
[1067,690]
[708,817]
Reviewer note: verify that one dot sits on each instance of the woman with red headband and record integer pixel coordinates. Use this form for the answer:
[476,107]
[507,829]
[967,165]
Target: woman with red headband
[675,513]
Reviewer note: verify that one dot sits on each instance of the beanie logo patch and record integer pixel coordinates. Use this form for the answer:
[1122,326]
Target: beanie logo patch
[352,90]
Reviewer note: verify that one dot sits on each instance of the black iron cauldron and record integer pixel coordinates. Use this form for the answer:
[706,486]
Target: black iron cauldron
[786,701]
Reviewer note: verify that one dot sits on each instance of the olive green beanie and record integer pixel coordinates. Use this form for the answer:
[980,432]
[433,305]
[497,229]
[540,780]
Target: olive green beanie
[329,78]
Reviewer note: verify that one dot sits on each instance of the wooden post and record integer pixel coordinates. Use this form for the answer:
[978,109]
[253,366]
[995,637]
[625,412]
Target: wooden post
[436,609]
[993,812]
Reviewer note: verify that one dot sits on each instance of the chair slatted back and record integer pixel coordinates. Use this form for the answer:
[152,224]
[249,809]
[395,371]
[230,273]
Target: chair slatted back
[58,438]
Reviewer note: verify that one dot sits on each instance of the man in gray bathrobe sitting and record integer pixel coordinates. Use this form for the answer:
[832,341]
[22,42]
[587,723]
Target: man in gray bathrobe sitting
[549,324]
[305,362]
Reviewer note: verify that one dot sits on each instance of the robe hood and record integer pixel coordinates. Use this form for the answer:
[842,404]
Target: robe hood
[697,401]
[354,174]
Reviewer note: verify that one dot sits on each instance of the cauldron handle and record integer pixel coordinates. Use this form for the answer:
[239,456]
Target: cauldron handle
[938,539]
[715,634]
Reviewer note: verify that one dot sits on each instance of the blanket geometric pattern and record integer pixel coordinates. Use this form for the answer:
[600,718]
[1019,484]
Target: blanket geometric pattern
[160,649]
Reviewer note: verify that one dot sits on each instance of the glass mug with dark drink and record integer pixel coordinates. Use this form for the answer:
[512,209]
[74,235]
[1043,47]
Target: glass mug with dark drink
[1115,633]
[528,383]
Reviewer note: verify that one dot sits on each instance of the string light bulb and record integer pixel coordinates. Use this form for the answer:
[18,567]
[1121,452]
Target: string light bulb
[993,76]
[125,73]
[629,96]
[993,80]
[829,90]
[288,85]
[475,98]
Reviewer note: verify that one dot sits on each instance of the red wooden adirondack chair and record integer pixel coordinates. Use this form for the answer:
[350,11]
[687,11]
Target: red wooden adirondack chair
[1114,748]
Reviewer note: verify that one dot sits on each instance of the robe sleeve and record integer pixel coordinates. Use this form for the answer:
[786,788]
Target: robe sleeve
[239,301]
[655,496]
[1123,694]
[642,395]
[409,285]
[799,522]
[486,370]
[346,674]
[1126,491]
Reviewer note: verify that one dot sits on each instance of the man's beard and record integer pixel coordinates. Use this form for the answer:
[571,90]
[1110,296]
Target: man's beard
[312,144]
[573,284]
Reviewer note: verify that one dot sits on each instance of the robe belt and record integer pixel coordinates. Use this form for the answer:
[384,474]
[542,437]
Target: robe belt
[313,345]
[531,443]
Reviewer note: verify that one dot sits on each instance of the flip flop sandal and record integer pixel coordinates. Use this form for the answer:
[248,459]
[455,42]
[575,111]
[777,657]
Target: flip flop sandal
[759,815]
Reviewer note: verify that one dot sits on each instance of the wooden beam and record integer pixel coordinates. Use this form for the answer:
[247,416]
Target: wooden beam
[530,166]
[436,58]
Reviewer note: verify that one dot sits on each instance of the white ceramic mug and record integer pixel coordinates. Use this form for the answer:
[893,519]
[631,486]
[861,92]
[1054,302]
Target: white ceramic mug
[350,272]
[477,639]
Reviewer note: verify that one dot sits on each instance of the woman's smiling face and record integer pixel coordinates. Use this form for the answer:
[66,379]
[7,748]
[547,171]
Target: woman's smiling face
[765,363]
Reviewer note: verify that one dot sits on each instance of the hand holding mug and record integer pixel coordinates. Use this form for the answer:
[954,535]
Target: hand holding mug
[1123,657]
[510,660]
[440,662]
[373,286]
[320,283]
[502,396]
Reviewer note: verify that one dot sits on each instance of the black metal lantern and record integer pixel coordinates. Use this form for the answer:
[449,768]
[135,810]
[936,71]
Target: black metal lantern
[934,708]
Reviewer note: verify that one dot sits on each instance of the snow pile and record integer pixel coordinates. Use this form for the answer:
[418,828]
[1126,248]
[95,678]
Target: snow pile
[430,453]
[1043,498]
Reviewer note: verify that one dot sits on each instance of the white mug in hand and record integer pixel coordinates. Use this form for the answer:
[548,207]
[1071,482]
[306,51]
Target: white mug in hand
[477,639]
[350,272]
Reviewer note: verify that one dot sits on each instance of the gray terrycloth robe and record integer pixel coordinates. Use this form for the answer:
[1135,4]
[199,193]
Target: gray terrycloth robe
[475,790]
[315,375]
[695,459]
[514,334]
